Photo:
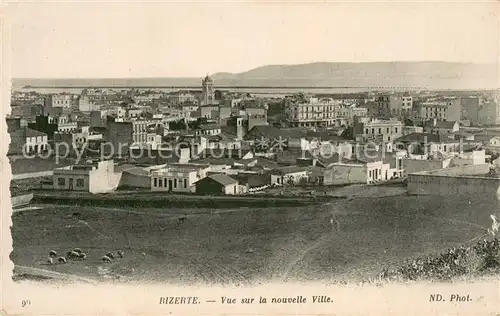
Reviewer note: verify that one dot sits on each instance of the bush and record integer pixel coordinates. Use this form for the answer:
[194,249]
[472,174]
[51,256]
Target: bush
[471,262]
[485,255]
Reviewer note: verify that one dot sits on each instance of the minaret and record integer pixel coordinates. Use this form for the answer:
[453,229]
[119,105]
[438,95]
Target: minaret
[207,90]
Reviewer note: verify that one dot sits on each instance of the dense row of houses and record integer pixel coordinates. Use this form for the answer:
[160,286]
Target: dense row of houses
[207,141]
[307,159]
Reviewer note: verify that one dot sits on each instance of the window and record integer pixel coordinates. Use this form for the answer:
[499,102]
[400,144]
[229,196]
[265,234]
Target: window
[160,183]
[175,183]
[155,182]
[185,183]
[165,182]
[61,181]
[396,129]
[380,131]
[79,183]
[388,130]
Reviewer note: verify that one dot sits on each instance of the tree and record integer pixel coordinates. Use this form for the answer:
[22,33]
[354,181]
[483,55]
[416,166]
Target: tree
[493,173]
[177,125]
[494,156]
[289,181]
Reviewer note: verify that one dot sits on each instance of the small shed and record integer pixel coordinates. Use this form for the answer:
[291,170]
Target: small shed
[288,175]
[217,184]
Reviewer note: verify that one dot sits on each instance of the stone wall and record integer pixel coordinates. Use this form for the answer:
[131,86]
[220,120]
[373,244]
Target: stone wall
[345,174]
[417,165]
[463,180]
[129,179]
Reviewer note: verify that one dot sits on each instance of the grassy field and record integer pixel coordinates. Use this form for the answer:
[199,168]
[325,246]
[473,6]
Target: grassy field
[249,245]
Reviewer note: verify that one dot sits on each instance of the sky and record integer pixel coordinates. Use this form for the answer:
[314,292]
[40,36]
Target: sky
[174,39]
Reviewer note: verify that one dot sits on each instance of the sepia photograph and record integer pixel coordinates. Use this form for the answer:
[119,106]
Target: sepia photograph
[325,148]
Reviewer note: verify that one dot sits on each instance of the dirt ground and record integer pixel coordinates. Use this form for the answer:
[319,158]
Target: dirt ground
[347,240]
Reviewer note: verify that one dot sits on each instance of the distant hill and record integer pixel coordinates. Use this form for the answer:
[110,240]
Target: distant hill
[429,75]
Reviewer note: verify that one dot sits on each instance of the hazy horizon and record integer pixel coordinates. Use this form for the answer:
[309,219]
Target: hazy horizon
[226,72]
[67,39]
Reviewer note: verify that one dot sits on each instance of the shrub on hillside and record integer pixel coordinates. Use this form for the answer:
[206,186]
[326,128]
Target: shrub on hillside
[484,255]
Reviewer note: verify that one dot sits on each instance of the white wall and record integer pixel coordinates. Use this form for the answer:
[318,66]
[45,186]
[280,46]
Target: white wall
[176,177]
[283,179]
[346,174]
[104,179]
[232,189]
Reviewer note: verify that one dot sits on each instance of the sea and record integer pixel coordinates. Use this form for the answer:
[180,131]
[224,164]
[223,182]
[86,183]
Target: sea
[269,92]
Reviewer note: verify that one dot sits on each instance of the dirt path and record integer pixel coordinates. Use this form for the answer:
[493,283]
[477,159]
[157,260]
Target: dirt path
[322,239]
[316,244]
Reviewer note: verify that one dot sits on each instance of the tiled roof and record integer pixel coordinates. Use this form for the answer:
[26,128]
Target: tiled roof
[28,132]
[271,132]
[329,159]
[222,179]
[266,163]
[421,137]
[216,161]
[373,157]
[209,127]
[288,170]
[330,135]
[223,153]
[445,124]
[247,161]
[290,156]
[137,171]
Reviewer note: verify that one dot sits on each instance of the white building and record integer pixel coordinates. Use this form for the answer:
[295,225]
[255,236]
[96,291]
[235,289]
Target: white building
[363,172]
[208,129]
[59,100]
[86,104]
[288,175]
[34,141]
[476,157]
[378,131]
[93,178]
[316,112]
[117,112]
[178,177]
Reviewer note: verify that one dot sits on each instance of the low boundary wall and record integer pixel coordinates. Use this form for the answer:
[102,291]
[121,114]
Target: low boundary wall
[463,180]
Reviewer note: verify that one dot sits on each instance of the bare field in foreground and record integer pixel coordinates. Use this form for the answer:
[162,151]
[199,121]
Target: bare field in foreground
[248,245]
